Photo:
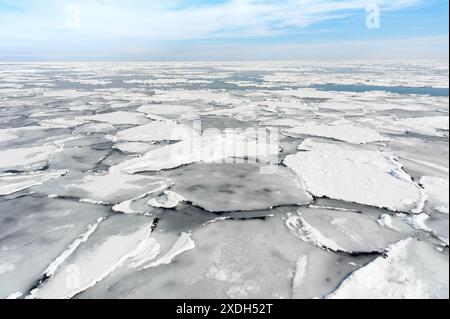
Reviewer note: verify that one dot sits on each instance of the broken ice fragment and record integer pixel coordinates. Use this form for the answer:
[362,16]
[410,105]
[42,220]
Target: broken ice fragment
[167,199]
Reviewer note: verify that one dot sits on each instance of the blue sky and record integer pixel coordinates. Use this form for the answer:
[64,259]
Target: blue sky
[140,30]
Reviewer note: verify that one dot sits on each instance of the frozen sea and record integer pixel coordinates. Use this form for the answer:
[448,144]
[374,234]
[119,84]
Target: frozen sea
[224,180]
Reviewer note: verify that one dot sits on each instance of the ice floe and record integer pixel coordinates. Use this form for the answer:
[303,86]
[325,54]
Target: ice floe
[437,192]
[365,177]
[117,118]
[27,158]
[347,133]
[155,131]
[108,188]
[234,187]
[412,269]
[37,231]
[340,231]
[92,261]
[208,148]
[12,183]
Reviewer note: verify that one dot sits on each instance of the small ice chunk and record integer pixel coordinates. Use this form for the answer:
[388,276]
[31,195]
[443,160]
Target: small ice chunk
[167,200]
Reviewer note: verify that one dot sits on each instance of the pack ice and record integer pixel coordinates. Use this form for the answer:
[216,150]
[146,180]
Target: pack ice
[224,180]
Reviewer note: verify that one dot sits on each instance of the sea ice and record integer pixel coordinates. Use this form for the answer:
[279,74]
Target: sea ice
[437,192]
[117,118]
[412,269]
[94,259]
[12,183]
[155,131]
[237,187]
[340,231]
[28,158]
[34,232]
[208,148]
[108,188]
[356,176]
[346,133]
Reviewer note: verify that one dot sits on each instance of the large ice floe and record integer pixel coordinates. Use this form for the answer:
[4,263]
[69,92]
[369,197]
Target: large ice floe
[346,231]
[224,180]
[12,183]
[362,176]
[234,187]
[346,133]
[411,269]
[27,158]
[210,148]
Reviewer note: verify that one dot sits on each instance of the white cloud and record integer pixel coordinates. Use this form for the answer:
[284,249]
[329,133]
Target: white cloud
[167,30]
[177,20]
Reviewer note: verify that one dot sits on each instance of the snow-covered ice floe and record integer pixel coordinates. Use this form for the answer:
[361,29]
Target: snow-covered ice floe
[208,148]
[12,183]
[28,158]
[107,188]
[437,191]
[346,133]
[343,231]
[412,269]
[366,177]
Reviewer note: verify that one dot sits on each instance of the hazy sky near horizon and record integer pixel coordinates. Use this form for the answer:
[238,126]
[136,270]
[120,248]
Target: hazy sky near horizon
[200,30]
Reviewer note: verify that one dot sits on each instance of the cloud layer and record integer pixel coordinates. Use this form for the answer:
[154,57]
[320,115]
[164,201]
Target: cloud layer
[93,25]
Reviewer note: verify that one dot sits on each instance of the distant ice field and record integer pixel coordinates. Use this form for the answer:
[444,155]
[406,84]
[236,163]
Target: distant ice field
[224,180]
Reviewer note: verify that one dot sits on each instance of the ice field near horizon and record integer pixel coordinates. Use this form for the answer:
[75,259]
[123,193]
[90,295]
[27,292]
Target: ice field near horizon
[224,180]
